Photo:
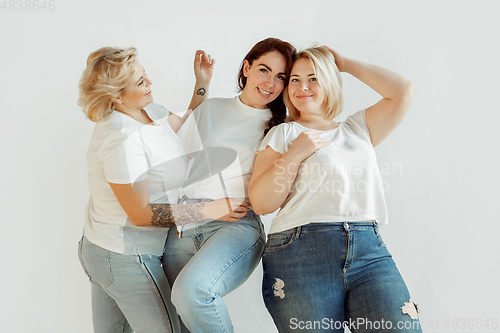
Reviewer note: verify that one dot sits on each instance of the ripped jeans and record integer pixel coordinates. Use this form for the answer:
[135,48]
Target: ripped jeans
[322,277]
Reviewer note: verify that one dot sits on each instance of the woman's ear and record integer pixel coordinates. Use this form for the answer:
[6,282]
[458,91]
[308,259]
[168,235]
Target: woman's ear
[116,100]
[246,68]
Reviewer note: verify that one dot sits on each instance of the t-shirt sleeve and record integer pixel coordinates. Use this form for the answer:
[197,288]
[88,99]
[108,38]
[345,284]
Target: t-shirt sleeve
[276,139]
[357,124]
[157,111]
[124,159]
[190,134]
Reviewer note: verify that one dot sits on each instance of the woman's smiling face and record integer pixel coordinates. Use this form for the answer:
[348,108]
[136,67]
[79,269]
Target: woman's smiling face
[304,90]
[138,93]
[265,79]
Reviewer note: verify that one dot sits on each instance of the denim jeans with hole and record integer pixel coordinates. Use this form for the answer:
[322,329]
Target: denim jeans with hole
[322,276]
[130,293]
[208,262]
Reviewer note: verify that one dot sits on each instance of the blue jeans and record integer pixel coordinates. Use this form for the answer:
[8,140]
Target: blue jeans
[130,293]
[208,262]
[321,276]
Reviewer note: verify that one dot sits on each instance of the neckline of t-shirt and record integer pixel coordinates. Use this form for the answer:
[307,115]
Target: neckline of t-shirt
[312,129]
[138,124]
[155,123]
[247,108]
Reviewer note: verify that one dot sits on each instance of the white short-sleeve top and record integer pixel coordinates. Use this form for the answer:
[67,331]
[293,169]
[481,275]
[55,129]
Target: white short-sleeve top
[223,123]
[340,182]
[124,151]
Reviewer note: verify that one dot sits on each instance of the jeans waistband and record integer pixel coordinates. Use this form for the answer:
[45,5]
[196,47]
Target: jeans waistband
[186,200]
[341,226]
[346,224]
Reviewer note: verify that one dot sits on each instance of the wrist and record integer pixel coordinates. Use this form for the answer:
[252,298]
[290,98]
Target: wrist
[206,210]
[346,65]
[293,156]
[290,160]
[204,83]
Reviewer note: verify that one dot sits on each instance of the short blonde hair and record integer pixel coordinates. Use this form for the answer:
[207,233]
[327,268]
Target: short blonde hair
[328,75]
[109,70]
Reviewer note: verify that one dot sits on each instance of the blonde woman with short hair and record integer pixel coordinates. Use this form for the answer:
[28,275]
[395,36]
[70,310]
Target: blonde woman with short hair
[325,263]
[136,167]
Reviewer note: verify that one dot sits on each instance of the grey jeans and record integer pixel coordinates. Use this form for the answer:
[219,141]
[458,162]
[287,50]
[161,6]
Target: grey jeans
[130,293]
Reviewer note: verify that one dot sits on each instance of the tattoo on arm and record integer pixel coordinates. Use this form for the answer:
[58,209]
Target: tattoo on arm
[166,215]
[201,91]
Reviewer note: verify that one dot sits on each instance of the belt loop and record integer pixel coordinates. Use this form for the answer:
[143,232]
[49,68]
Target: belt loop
[298,231]
[346,226]
[375,228]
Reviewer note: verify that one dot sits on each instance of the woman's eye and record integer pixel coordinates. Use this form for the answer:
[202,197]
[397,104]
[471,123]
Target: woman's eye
[140,83]
[294,80]
[313,79]
[263,70]
[281,77]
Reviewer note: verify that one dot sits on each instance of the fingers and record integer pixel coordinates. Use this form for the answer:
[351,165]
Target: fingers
[332,51]
[202,57]
[238,209]
[241,209]
[198,56]
[237,202]
[209,60]
[317,140]
[325,143]
[234,217]
[340,59]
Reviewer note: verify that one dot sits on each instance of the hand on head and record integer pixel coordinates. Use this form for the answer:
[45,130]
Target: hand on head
[340,59]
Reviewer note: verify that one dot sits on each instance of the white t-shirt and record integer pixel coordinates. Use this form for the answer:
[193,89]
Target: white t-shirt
[340,182]
[235,130]
[124,151]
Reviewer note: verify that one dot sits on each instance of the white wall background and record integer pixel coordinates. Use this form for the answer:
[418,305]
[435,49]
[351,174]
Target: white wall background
[443,204]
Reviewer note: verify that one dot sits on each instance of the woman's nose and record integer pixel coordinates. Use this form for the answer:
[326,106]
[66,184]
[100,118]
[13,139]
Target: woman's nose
[269,82]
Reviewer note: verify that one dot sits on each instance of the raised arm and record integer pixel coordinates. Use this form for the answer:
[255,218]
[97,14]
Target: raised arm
[134,199]
[274,174]
[203,71]
[396,91]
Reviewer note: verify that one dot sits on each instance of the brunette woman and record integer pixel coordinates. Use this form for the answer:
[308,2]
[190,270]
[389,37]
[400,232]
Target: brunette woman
[206,260]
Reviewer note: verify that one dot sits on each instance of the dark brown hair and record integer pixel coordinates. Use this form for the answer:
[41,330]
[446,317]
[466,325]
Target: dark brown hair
[277,106]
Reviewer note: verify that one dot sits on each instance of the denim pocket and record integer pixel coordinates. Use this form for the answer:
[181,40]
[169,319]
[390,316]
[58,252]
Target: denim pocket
[379,236]
[280,240]
[95,262]
[251,219]
[80,255]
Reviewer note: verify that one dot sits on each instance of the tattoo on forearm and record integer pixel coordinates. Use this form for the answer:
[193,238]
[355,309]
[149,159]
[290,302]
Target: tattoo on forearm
[201,91]
[163,216]
[166,215]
